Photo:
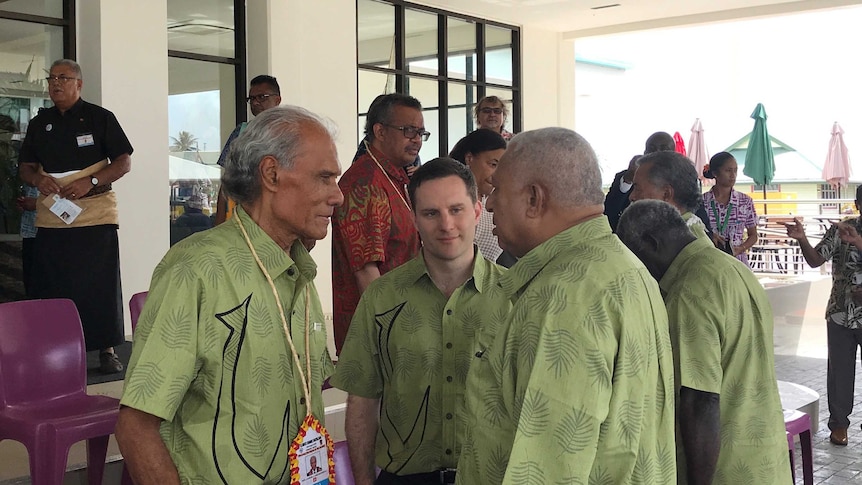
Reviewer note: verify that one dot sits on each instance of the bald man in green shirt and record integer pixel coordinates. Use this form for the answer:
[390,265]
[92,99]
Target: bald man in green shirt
[412,338]
[577,384]
[730,424]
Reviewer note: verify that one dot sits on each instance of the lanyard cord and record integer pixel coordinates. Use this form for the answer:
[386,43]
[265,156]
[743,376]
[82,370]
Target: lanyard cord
[401,195]
[306,384]
[722,225]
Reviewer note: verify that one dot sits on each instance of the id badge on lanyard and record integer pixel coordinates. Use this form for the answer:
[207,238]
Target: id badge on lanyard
[310,456]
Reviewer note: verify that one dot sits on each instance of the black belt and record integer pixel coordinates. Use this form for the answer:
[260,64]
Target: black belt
[101,189]
[443,476]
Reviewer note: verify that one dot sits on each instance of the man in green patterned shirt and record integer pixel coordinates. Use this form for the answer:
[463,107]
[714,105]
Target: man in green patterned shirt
[730,425]
[671,177]
[213,393]
[577,385]
[405,359]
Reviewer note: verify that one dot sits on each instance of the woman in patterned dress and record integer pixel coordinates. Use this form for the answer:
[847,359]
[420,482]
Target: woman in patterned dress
[731,213]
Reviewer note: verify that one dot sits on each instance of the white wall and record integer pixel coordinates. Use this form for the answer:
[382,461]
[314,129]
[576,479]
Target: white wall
[122,49]
[548,67]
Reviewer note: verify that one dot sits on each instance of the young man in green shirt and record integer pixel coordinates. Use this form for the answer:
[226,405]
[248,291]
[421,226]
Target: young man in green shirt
[730,421]
[413,336]
[577,384]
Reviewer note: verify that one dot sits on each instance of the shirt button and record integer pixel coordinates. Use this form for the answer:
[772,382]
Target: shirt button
[448,312]
[448,415]
[448,378]
[290,272]
[448,451]
[302,400]
[448,345]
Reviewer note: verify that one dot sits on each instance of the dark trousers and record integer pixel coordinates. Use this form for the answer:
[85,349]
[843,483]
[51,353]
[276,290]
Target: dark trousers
[27,245]
[433,478]
[841,372]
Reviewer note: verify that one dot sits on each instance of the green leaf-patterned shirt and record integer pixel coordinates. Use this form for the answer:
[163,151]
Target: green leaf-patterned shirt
[210,356]
[411,347]
[721,330]
[577,385]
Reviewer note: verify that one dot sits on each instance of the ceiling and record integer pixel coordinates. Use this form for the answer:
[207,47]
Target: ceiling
[579,18]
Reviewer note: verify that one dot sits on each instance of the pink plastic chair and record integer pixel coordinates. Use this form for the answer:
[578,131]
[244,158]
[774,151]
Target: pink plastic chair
[43,389]
[799,423]
[136,305]
[343,471]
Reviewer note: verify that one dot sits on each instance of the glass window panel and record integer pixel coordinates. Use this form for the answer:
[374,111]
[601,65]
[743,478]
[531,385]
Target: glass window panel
[498,55]
[420,42]
[202,27]
[24,63]
[506,96]
[45,8]
[461,39]
[371,85]
[461,100]
[426,91]
[376,33]
[201,115]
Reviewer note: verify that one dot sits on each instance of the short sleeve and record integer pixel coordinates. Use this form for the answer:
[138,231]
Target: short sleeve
[27,153]
[697,337]
[116,141]
[750,213]
[163,360]
[828,245]
[365,225]
[358,372]
[225,152]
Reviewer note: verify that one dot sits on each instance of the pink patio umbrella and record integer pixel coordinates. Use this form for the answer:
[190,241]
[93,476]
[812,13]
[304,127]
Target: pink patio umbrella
[836,170]
[679,144]
[697,151]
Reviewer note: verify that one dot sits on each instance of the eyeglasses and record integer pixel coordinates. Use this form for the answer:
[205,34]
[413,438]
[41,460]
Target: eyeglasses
[410,132]
[488,111]
[260,98]
[59,79]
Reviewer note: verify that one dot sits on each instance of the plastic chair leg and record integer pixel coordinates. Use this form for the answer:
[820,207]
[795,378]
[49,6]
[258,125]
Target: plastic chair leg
[47,464]
[792,466]
[807,458]
[97,450]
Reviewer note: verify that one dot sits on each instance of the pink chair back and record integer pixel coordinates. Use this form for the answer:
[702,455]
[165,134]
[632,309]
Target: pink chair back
[42,353]
[136,305]
[343,471]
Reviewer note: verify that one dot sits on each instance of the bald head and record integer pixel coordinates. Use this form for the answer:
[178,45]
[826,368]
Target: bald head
[659,142]
[560,160]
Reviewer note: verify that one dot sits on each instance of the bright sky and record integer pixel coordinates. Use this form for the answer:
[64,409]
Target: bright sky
[802,67]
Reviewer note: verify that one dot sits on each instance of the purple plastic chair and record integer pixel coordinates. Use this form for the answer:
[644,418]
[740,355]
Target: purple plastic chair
[43,389]
[799,423]
[343,471]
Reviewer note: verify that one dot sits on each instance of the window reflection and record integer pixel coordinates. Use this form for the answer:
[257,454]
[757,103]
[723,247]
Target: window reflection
[202,27]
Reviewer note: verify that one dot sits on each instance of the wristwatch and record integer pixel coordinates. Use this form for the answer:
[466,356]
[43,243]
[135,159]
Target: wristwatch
[94,181]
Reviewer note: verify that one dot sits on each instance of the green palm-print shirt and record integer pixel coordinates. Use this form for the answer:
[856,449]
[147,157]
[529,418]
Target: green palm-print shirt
[577,385]
[695,225]
[210,356]
[721,329]
[411,347]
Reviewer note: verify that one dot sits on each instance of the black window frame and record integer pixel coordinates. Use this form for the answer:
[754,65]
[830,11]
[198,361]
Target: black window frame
[67,23]
[402,73]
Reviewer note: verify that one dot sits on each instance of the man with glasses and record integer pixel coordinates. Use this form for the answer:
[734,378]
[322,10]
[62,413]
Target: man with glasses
[373,231]
[491,114]
[72,153]
[263,94]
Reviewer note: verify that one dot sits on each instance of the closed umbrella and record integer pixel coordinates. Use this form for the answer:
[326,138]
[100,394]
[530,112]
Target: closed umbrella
[697,150]
[759,158]
[679,145]
[836,170]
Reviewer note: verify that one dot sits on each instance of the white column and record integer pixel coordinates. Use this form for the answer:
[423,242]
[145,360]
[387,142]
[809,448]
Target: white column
[548,79]
[122,48]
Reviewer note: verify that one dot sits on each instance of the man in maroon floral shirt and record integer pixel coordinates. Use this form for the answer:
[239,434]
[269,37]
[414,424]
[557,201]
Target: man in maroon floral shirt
[373,231]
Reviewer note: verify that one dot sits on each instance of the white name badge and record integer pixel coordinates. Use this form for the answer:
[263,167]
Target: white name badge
[65,209]
[310,455]
[85,140]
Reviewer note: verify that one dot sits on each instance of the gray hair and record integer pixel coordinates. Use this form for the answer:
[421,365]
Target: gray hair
[276,132]
[70,64]
[651,219]
[677,171]
[562,161]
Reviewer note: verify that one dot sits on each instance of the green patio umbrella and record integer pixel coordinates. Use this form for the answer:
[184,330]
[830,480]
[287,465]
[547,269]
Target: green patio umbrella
[759,158]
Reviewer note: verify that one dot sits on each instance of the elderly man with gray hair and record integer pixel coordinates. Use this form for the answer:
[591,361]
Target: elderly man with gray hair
[671,177]
[230,353]
[576,384]
[721,330]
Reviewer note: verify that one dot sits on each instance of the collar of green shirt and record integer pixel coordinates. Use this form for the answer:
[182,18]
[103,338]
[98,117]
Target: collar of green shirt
[416,269]
[695,249]
[274,259]
[519,275]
